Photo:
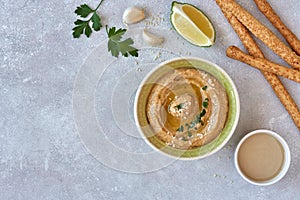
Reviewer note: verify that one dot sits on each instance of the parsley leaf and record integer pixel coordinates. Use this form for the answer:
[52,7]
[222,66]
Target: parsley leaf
[78,30]
[96,22]
[83,26]
[116,46]
[83,10]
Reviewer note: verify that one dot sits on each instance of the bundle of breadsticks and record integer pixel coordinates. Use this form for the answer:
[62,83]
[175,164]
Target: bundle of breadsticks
[243,23]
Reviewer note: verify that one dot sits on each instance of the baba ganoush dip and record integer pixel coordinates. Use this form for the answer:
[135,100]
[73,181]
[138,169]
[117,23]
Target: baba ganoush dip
[187,108]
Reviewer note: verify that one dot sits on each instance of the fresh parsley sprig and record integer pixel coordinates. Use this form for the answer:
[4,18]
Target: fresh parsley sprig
[117,46]
[83,25]
[88,16]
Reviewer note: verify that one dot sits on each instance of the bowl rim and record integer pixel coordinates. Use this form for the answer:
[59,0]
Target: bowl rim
[228,78]
[284,168]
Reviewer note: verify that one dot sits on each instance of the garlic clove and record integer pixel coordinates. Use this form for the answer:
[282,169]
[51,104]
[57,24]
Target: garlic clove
[133,15]
[152,39]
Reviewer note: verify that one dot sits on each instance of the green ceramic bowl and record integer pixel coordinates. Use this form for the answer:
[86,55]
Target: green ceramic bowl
[144,90]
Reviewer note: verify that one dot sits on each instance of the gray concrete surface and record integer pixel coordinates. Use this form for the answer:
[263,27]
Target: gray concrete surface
[41,153]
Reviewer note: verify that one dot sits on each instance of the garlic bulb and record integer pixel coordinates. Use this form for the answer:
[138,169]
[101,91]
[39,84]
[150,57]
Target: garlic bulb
[152,39]
[133,15]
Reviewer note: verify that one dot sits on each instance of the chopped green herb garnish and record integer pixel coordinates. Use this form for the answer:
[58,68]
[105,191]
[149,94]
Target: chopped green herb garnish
[206,99]
[190,134]
[180,129]
[184,139]
[198,118]
[202,113]
[204,87]
[192,124]
[179,106]
[205,104]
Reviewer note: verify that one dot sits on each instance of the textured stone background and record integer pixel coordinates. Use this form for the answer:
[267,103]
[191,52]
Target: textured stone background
[41,155]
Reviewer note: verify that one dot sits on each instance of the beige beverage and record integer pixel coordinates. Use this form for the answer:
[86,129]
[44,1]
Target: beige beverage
[261,157]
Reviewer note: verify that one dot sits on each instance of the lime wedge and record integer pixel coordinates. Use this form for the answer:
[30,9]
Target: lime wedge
[192,24]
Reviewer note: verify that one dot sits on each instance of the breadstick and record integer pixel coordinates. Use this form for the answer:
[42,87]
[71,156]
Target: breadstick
[268,11]
[261,32]
[263,64]
[244,35]
[274,81]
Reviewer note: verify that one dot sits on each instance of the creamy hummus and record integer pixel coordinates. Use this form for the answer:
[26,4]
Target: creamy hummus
[187,108]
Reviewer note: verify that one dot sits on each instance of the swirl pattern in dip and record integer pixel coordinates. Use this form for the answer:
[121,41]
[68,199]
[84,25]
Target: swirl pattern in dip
[187,108]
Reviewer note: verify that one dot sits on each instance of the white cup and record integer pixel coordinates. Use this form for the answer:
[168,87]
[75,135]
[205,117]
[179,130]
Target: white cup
[285,165]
